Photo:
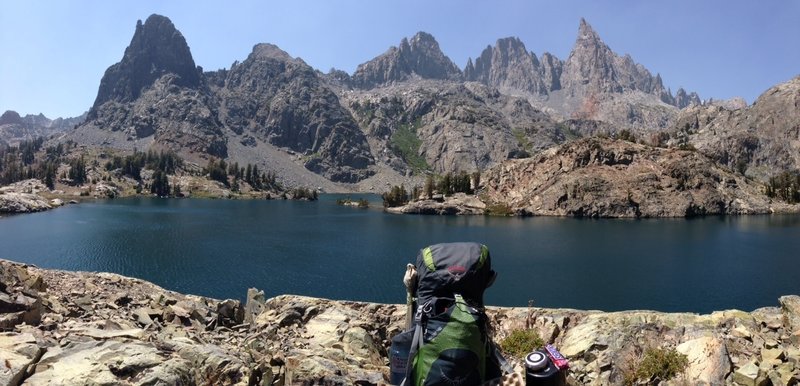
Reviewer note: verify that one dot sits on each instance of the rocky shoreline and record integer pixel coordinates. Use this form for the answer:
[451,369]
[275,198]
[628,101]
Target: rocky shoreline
[79,328]
[24,197]
[32,195]
[605,178]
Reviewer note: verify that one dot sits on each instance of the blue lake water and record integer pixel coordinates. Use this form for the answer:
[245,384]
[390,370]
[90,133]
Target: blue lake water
[219,248]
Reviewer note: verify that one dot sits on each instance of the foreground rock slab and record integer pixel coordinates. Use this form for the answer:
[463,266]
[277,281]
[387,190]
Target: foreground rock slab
[105,329]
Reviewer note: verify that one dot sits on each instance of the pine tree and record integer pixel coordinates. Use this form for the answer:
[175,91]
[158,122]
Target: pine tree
[77,170]
[429,186]
[160,186]
[50,175]
[256,182]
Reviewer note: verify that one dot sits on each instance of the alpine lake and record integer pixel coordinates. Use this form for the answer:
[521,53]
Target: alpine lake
[220,248]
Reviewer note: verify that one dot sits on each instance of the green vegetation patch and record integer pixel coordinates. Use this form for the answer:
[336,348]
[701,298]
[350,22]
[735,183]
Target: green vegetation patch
[522,140]
[657,364]
[397,196]
[498,209]
[405,143]
[521,342]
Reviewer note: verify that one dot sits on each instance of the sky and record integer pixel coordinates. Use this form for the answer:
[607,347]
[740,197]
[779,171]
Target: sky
[54,53]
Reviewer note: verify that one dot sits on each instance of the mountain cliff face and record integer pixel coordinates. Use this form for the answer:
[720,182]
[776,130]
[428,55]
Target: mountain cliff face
[448,127]
[418,57]
[282,101]
[761,140]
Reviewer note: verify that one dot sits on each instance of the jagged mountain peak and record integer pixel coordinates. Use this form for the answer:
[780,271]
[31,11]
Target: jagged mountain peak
[590,52]
[157,48]
[10,117]
[419,56]
[424,38]
[157,91]
[593,68]
[268,50]
[511,43]
[586,32]
[509,65]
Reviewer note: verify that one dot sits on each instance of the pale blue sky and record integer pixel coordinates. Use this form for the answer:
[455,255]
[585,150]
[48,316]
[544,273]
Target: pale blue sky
[53,53]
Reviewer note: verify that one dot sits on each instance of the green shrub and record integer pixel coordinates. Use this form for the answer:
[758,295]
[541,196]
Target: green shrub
[522,140]
[627,135]
[520,342]
[498,209]
[656,363]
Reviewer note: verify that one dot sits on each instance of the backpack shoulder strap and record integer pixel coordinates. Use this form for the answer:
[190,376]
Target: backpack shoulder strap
[416,343]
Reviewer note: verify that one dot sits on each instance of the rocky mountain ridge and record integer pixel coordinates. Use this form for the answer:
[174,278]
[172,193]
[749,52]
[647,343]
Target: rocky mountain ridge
[408,112]
[761,140]
[510,66]
[597,177]
[281,100]
[591,68]
[15,128]
[587,84]
[81,327]
[419,56]
[156,97]
[453,126]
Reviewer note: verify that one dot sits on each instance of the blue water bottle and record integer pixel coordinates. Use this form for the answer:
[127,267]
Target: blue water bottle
[398,356]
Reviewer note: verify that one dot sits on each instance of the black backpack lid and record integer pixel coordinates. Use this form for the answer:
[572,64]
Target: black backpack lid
[454,268]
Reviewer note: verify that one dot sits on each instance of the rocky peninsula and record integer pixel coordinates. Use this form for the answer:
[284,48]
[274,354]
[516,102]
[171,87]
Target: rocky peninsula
[609,178]
[80,328]
[24,197]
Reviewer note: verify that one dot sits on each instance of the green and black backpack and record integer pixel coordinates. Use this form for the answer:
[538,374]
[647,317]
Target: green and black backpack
[450,344]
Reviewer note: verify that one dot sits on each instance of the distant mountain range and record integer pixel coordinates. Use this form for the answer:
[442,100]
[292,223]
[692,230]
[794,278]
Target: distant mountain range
[592,68]
[15,128]
[410,110]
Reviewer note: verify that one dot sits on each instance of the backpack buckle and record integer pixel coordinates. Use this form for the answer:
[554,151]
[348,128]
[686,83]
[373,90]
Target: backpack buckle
[423,311]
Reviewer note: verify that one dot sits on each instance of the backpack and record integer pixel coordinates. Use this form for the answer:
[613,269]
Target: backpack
[449,340]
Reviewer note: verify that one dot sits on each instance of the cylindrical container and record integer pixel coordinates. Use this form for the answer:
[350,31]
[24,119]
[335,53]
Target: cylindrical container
[398,356]
[540,371]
